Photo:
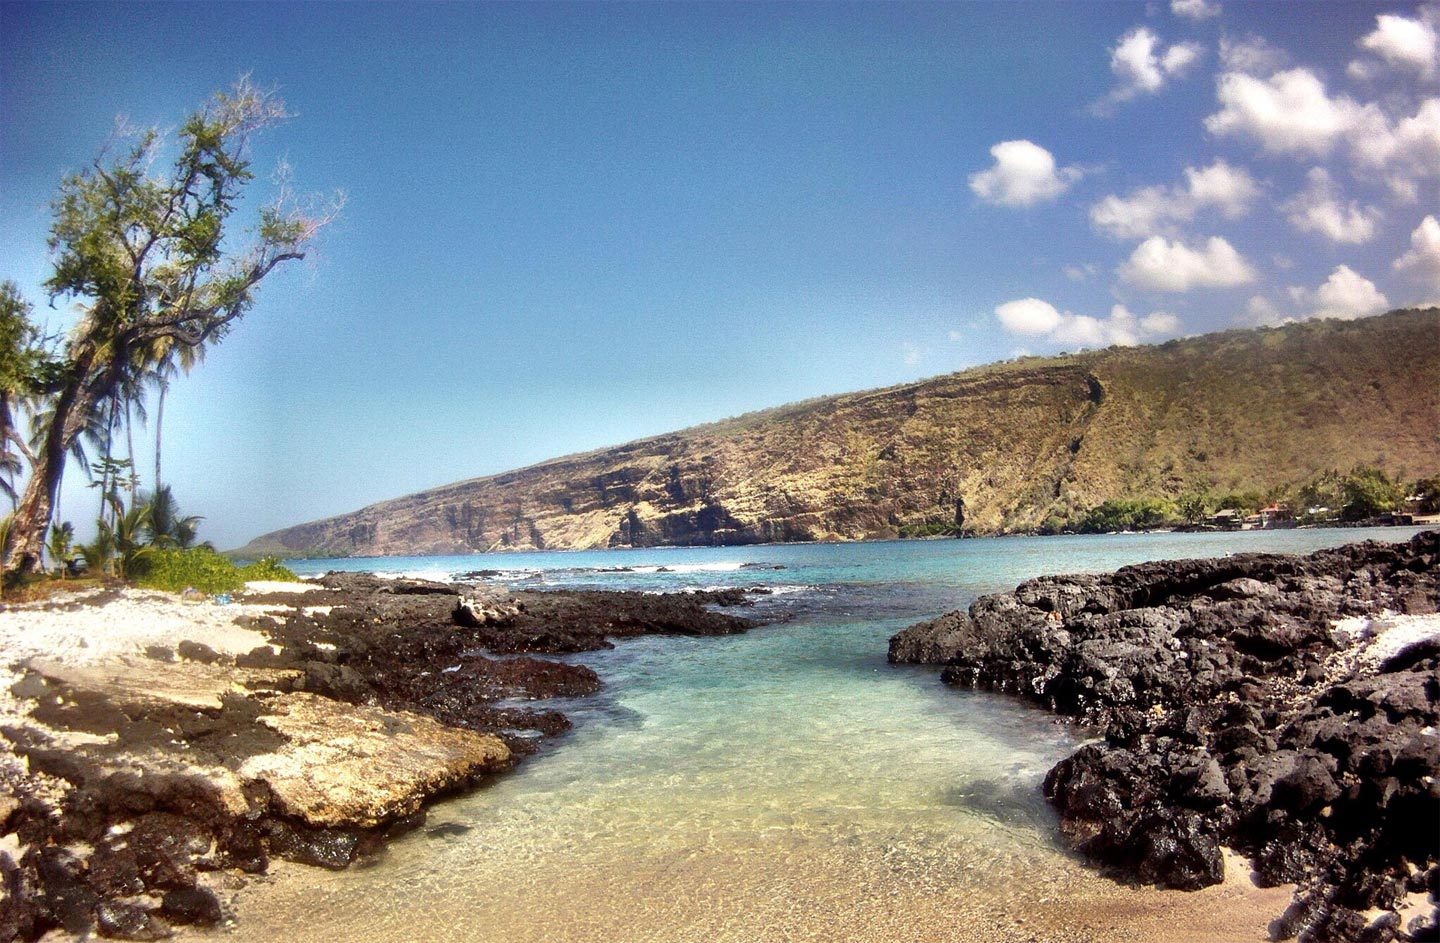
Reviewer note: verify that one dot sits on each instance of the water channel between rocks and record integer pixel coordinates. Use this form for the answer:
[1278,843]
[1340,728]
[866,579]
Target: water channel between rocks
[785,784]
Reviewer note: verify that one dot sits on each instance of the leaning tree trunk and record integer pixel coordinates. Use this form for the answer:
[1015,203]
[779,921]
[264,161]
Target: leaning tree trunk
[32,518]
[159,424]
[130,455]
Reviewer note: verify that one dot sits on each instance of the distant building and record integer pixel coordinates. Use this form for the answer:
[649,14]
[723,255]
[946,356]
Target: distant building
[1228,519]
[1275,517]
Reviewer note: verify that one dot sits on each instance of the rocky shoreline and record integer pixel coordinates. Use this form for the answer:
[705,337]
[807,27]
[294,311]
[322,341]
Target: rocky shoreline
[1283,706]
[139,786]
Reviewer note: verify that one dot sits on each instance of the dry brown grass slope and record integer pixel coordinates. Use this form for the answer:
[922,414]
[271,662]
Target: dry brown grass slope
[1015,442]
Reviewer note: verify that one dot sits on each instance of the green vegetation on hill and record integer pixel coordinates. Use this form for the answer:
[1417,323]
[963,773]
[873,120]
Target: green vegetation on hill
[1127,436]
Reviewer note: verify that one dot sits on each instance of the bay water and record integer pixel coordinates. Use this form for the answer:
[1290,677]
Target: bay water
[783,784]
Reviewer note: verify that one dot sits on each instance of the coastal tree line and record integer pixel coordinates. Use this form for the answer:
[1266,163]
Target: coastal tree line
[145,247]
[1364,493]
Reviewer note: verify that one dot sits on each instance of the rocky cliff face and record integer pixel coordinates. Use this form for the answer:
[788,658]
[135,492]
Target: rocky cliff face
[995,449]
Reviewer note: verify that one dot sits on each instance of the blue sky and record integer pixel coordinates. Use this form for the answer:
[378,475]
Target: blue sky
[573,225]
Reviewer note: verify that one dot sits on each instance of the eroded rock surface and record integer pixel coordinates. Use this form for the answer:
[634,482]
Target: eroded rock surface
[1238,707]
[130,782]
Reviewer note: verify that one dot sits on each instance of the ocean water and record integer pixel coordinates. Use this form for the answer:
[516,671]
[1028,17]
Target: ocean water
[785,784]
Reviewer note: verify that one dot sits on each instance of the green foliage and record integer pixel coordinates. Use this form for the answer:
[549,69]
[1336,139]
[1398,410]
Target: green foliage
[1127,514]
[168,527]
[1428,491]
[1369,492]
[1194,507]
[267,568]
[1246,502]
[176,570]
[100,552]
[61,546]
[143,242]
[130,530]
[1364,493]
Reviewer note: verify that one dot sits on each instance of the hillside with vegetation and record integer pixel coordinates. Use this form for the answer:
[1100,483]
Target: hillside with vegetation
[1035,444]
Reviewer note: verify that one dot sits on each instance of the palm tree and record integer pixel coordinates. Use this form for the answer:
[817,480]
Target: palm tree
[167,358]
[130,530]
[61,546]
[99,552]
[168,528]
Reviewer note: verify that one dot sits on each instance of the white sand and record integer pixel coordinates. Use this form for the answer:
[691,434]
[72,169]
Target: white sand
[74,632]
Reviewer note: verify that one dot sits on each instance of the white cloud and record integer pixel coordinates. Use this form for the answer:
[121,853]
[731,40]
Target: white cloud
[1024,174]
[1291,113]
[1403,44]
[1406,151]
[1228,189]
[1319,209]
[1252,55]
[1158,264]
[1152,210]
[1144,66]
[914,353]
[1260,311]
[1345,295]
[1028,316]
[1160,322]
[1080,272]
[1035,318]
[1422,261]
[1288,113]
[1194,9]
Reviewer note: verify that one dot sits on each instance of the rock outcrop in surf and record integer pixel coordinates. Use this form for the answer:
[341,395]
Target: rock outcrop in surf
[1285,706]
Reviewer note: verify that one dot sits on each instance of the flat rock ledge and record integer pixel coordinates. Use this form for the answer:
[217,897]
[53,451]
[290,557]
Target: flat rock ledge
[143,773]
[1285,706]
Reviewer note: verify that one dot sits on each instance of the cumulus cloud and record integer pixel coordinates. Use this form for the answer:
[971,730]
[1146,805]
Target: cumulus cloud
[1033,317]
[1080,272]
[1320,209]
[1288,113]
[1291,113]
[1405,151]
[1150,211]
[1261,312]
[1404,44]
[1144,66]
[1345,295]
[1422,262]
[1024,174]
[1159,264]
[1028,316]
[1194,9]
[1252,55]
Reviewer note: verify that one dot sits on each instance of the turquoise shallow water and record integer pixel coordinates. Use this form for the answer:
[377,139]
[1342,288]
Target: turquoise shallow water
[783,784]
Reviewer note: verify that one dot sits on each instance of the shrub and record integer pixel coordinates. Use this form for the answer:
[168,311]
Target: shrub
[198,567]
[267,568]
[1126,514]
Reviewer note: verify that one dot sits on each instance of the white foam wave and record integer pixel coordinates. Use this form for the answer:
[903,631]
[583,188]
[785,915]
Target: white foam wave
[437,576]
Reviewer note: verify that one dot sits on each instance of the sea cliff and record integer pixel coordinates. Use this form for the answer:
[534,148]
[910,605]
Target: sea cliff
[997,449]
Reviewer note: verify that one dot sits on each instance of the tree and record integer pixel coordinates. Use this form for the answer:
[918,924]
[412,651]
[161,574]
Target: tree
[1369,492]
[168,528]
[1194,507]
[61,546]
[23,365]
[144,252]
